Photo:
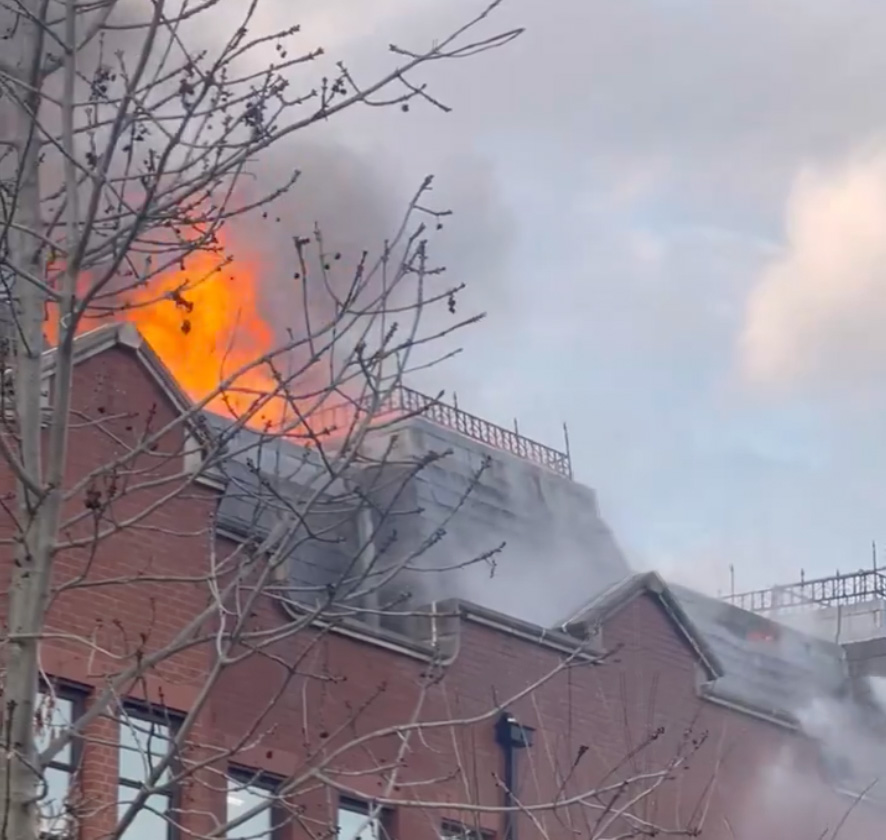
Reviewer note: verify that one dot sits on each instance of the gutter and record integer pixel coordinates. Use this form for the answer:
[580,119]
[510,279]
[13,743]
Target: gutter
[553,639]
[711,694]
[362,632]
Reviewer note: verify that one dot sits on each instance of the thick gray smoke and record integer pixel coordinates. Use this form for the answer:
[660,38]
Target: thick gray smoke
[358,172]
[356,190]
[357,199]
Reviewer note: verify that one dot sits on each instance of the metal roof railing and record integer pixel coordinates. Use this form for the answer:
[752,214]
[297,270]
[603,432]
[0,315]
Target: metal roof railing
[840,589]
[407,402]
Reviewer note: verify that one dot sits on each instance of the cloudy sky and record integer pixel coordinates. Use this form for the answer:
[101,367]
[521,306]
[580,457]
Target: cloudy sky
[675,215]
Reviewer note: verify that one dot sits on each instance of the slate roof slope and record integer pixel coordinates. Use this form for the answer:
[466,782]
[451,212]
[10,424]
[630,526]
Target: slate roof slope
[442,519]
[271,480]
[766,665]
[476,499]
[752,661]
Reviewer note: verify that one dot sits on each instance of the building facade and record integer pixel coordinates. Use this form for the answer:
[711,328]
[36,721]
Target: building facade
[645,709]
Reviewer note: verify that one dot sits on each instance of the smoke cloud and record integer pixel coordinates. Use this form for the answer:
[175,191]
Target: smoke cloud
[357,199]
[353,185]
[816,315]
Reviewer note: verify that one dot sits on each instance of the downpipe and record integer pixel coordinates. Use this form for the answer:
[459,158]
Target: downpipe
[511,736]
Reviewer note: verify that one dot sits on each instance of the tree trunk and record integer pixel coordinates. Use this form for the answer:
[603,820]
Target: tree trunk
[20,778]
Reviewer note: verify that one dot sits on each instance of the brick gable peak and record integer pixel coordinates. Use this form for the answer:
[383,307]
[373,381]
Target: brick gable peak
[590,617]
[125,335]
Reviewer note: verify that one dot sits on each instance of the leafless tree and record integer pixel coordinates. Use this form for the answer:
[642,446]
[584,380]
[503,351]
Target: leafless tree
[130,142]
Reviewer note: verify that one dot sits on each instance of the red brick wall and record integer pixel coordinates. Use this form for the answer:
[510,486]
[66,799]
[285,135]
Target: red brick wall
[758,780]
[126,594]
[745,778]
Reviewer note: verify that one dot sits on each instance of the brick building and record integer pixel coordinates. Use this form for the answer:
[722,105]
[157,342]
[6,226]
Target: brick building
[642,708]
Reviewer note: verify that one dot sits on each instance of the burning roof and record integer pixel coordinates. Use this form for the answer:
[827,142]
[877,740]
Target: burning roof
[476,523]
[204,318]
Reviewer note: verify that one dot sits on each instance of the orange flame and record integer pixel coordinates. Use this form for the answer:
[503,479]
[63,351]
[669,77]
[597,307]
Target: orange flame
[204,321]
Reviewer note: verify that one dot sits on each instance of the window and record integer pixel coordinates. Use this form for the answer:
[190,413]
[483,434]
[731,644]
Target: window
[145,740]
[355,822]
[55,712]
[452,830]
[246,791]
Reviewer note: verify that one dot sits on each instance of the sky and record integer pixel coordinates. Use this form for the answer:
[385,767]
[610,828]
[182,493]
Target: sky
[674,214]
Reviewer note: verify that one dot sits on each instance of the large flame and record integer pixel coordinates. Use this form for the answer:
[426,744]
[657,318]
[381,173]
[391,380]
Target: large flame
[204,321]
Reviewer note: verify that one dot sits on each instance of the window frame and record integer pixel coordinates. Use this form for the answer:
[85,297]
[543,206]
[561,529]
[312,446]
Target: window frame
[139,711]
[450,828]
[362,806]
[263,780]
[76,695]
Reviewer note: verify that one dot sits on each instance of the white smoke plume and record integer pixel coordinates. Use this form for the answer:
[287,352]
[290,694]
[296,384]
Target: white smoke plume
[831,782]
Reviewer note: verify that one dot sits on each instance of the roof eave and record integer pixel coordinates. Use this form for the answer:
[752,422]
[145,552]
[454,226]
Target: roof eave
[92,343]
[617,597]
[713,693]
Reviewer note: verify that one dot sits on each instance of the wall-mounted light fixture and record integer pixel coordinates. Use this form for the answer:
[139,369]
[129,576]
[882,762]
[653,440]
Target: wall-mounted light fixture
[509,732]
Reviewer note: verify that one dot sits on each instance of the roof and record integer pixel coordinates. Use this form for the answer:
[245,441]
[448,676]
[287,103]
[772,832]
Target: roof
[270,480]
[510,535]
[476,523]
[758,664]
[599,609]
[767,666]
[89,344]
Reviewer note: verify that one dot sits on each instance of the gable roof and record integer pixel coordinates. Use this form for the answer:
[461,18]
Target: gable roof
[754,663]
[613,600]
[108,336]
[768,666]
